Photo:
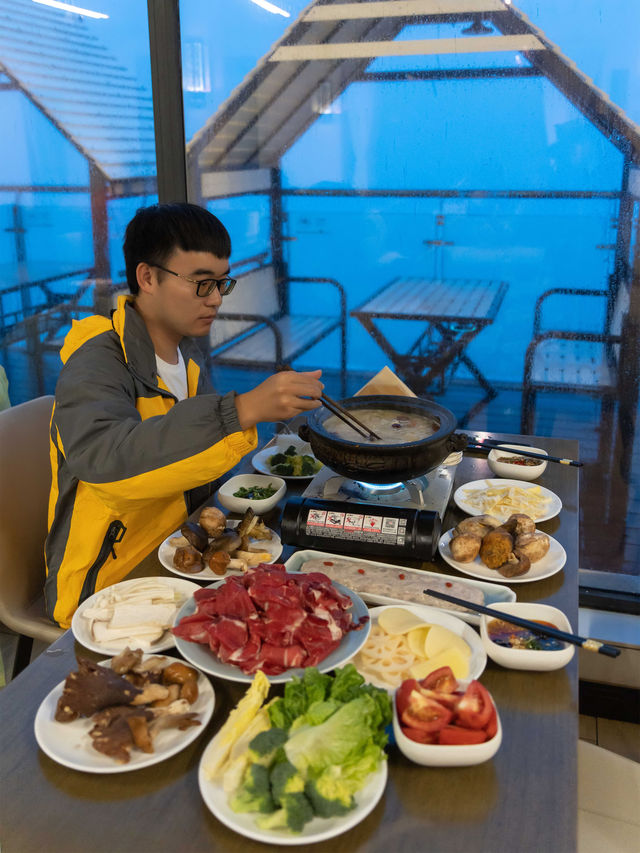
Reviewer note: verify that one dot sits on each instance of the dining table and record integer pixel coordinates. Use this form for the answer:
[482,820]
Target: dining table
[523,800]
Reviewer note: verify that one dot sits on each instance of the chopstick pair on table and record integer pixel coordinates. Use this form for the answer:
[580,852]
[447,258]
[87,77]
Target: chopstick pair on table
[584,642]
[345,415]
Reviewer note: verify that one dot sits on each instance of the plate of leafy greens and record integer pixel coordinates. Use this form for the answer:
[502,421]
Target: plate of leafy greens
[289,458]
[302,768]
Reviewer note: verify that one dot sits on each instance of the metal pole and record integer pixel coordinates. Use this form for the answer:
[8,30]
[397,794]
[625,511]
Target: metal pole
[166,84]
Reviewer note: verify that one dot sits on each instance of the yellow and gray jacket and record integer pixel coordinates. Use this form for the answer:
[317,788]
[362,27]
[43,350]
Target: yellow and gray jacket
[128,461]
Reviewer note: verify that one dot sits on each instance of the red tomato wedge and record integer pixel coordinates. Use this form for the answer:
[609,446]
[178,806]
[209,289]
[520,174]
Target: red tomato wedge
[474,709]
[419,735]
[492,726]
[441,680]
[424,713]
[402,694]
[457,736]
[449,700]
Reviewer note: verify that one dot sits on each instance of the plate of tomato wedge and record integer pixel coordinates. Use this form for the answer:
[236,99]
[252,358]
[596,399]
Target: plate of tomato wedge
[442,722]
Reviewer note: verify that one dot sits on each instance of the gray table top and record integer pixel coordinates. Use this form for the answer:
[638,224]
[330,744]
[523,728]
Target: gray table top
[522,800]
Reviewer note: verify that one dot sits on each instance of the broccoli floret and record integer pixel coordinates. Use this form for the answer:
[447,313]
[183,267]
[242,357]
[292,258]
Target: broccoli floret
[285,779]
[264,747]
[290,451]
[278,459]
[284,470]
[308,466]
[296,811]
[254,794]
[327,803]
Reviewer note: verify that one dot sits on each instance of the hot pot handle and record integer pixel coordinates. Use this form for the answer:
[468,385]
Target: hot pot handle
[303,432]
[457,441]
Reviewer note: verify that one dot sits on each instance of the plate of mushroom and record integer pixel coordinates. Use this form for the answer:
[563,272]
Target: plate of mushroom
[131,712]
[216,546]
[513,551]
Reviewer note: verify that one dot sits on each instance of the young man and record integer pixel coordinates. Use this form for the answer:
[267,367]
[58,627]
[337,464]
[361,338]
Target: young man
[138,432]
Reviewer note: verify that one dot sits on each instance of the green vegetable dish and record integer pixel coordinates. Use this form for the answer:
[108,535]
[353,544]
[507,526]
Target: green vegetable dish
[326,736]
[255,493]
[293,464]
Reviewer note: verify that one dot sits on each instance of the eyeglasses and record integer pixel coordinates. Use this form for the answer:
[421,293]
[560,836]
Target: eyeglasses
[205,286]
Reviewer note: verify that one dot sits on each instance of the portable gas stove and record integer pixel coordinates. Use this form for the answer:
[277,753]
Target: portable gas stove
[348,516]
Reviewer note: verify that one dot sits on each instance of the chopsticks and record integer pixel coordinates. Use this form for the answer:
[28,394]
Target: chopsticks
[348,417]
[527,453]
[345,415]
[583,642]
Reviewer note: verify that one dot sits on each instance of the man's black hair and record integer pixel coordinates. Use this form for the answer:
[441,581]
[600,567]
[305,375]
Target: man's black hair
[155,232]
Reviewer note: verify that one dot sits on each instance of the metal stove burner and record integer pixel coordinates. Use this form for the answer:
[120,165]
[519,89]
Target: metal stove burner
[431,491]
[391,493]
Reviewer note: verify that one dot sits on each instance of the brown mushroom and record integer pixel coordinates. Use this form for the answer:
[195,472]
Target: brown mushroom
[213,520]
[218,562]
[185,676]
[188,560]
[516,565]
[195,535]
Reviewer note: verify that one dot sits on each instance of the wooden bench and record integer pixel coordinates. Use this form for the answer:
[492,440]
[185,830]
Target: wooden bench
[571,361]
[255,329]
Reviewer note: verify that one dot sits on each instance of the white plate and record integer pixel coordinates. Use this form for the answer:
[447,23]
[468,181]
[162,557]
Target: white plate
[166,551]
[70,745]
[202,656]
[318,829]
[552,562]
[261,460]
[461,492]
[493,593]
[81,629]
[478,659]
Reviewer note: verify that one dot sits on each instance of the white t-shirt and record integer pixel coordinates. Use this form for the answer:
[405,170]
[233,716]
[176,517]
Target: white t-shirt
[174,376]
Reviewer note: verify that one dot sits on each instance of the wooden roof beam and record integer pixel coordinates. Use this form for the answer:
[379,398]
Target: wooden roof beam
[402,8]
[414,47]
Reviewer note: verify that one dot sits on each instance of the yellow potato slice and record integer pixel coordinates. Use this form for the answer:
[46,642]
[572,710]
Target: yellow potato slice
[458,662]
[416,640]
[397,620]
[439,639]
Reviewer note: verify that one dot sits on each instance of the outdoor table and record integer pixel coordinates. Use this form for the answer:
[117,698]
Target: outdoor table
[451,311]
[523,800]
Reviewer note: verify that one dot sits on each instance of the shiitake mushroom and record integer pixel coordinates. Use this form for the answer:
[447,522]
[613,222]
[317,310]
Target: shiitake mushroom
[188,559]
[195,535]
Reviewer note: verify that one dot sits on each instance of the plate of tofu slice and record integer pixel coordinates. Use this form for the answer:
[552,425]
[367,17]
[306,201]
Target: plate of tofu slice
[138,613]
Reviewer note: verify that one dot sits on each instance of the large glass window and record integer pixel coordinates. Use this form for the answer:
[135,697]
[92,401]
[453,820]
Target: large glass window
[77,157]
[493,145]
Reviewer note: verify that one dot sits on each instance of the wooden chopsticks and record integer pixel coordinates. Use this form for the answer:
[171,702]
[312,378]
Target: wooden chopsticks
[348,417]
[548,631]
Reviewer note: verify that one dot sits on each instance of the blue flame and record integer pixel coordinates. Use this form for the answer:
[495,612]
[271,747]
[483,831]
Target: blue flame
[380,487]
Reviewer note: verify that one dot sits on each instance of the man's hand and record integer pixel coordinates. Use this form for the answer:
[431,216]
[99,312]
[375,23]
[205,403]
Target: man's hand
[280,397]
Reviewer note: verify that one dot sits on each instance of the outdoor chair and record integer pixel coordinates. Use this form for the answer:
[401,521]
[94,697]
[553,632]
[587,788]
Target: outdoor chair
[572,361]
[25,480]
[254,328]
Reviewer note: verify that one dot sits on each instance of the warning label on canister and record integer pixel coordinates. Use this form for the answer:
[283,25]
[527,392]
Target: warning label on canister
[354,526]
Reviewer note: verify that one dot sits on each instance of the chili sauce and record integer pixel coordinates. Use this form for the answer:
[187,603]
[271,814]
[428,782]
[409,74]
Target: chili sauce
[515,637]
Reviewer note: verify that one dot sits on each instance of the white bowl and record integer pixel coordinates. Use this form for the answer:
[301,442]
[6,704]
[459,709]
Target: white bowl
[528,658]
[437,755]
[230,501]
[516,472]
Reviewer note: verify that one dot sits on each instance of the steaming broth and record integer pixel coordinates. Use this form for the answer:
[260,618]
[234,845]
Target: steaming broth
[393,427]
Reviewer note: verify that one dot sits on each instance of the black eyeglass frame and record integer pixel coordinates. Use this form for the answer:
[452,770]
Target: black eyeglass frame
[225,285]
